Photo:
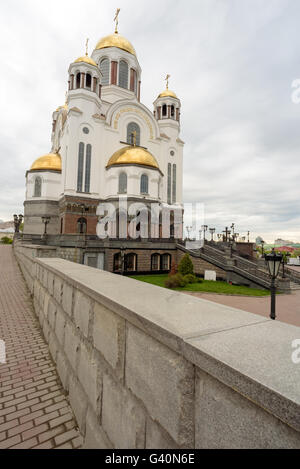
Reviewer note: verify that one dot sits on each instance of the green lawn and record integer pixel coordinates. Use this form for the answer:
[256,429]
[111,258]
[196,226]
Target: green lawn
[206,286]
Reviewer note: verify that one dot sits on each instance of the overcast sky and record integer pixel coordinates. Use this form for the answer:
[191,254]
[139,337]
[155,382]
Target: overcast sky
[232,64]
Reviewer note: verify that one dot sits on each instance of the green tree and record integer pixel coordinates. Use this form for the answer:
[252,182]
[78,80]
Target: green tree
[186,266]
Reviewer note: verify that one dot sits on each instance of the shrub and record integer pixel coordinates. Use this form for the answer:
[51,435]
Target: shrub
[190,278]
[6,240]
[186,266]
[175,281]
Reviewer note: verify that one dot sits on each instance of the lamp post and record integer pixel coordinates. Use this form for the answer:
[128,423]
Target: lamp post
[248,234]
[123,260]
[263,248]
[273,262]
[212,232]
[17,222]
[204,228]
[46,221]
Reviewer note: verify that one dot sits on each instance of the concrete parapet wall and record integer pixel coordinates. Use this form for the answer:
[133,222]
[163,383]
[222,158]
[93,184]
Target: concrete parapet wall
[148,368]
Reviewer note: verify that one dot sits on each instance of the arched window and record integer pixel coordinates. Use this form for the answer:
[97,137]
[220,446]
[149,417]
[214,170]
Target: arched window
[38,187]
[117,262]
[164,110]
[155,262]
[144,184]
[166,262]
[123,183]
[88,168]
[88,81]
[131,262]
[104,69]
[80,167]
[123,74]
[131,129]
[81,225]
[78,77]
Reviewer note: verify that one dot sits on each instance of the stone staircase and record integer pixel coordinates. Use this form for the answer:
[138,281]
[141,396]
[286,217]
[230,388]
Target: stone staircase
[246,269]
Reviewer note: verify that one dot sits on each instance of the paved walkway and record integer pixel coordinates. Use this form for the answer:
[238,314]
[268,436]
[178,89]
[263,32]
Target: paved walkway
[287,306]
[34,412]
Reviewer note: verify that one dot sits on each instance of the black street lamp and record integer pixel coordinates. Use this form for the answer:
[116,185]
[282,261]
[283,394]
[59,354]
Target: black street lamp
[17,222]
[46,221]
[212,232]
[273,262]
[263,248]
[204,228]
[123,248]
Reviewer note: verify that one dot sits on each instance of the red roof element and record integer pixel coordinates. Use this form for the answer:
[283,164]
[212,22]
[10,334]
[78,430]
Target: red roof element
[285,249]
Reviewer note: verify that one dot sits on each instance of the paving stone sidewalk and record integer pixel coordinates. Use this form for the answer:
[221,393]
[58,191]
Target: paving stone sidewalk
[34,411]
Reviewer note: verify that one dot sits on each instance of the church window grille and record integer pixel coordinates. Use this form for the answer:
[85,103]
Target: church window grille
[80,167]
[38,187]
[169,183]
[144,184]
[123,74]
[104,69]
[131,128]
[174,194]
[123,183]
[88,168]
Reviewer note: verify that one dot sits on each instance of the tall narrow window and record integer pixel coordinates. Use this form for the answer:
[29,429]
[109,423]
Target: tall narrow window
[123,183]
[172,112]
[78,78]
[132,137]
[88,80]
[164,110]
[169,183]
[104,69]
[38,187]
[123,74]
[88,168]
[80,167]
[133,81]
[144,184]
[174,194]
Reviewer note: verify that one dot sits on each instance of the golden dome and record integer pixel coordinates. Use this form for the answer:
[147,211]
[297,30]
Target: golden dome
[133,155]
[87,60]
[116,40]
[168,94]
[49,162]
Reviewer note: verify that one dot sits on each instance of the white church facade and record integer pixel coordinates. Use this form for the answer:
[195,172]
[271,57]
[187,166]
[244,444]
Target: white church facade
[105,145]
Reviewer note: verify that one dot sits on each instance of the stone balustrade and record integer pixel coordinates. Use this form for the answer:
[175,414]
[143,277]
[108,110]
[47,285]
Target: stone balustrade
[145,367]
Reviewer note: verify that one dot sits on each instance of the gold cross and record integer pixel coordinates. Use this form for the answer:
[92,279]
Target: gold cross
[167,80]
[116,19]
[87,47]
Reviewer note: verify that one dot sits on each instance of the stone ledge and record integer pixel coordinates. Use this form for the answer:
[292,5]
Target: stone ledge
[248,353]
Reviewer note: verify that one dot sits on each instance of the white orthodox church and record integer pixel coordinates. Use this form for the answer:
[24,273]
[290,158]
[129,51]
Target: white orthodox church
[105,144]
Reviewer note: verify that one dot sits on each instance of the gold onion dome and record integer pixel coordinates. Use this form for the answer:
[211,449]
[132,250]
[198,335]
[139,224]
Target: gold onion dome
[49,162]
[116,40]
[133,155]
[168,94]
[86,59]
